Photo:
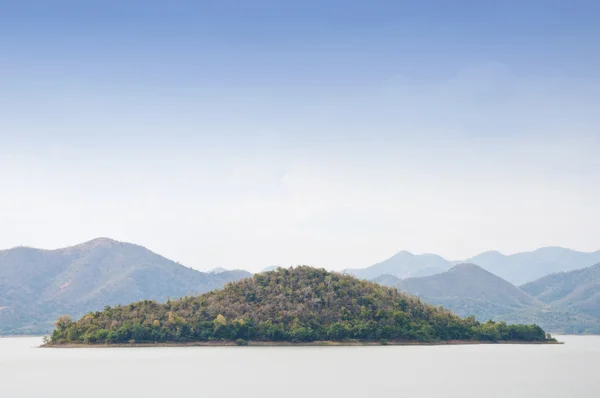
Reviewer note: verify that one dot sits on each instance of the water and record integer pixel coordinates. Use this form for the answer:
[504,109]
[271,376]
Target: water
[527,371]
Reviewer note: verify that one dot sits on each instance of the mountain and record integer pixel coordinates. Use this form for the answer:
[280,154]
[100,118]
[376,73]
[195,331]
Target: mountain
[575,290]
[36,285]
[468,289]
[302,304]
[232,275]
[403,265]
[217,270]
[525,267]
[516,268]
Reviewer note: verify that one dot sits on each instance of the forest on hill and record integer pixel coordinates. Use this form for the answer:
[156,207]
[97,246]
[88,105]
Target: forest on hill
[301,304]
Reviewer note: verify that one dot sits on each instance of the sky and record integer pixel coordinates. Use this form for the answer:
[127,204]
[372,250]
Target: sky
[332,133]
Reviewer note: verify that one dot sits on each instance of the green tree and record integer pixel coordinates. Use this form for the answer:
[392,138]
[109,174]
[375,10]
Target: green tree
[63,322]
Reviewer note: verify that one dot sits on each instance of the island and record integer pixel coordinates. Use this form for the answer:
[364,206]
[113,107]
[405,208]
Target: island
[301,305]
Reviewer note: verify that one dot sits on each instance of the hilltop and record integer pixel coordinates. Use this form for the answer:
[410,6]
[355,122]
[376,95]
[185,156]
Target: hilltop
[404,265]
[301,304]
[217,270]
[467,289]
[38,285]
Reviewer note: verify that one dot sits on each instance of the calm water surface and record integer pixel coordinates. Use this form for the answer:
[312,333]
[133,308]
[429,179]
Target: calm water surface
[527,371]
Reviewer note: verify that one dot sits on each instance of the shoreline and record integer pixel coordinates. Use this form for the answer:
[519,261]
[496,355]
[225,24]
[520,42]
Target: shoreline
[291,344]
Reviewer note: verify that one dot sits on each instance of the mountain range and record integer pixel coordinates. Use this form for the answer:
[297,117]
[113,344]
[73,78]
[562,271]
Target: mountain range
[526,267]
[404,265]
[467,282]
[567,302]
[517,268]
[37,285]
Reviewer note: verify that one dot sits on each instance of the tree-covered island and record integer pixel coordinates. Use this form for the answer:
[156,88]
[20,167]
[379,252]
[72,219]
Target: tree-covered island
[297,305]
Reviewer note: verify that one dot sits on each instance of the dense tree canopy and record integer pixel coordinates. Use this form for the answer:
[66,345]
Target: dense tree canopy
[303,304]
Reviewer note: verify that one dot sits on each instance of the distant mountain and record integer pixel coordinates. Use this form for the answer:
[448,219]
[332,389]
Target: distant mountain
[403,265]
[217,270]
[37,285]
[575,290]
[468,289]
[517,268]
[389,280]
[525,267]
[232,275]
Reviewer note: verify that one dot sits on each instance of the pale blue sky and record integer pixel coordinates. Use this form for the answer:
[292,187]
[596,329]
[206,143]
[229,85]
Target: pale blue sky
[245,134]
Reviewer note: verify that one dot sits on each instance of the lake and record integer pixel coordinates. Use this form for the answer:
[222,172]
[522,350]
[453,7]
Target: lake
[527,371]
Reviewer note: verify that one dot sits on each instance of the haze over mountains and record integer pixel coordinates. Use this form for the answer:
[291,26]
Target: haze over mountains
[517,268]
[566,302]
[38,285]
[470,285]
[575,290]
[404,265]
[525,267]
[486,285]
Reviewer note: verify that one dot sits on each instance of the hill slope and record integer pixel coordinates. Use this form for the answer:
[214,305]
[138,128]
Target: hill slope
[575,290]
[403,265]
[300,304]
[528,266]
[36,285]
[467,289]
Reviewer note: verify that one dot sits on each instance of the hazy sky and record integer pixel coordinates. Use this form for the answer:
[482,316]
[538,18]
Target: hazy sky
[332,133]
